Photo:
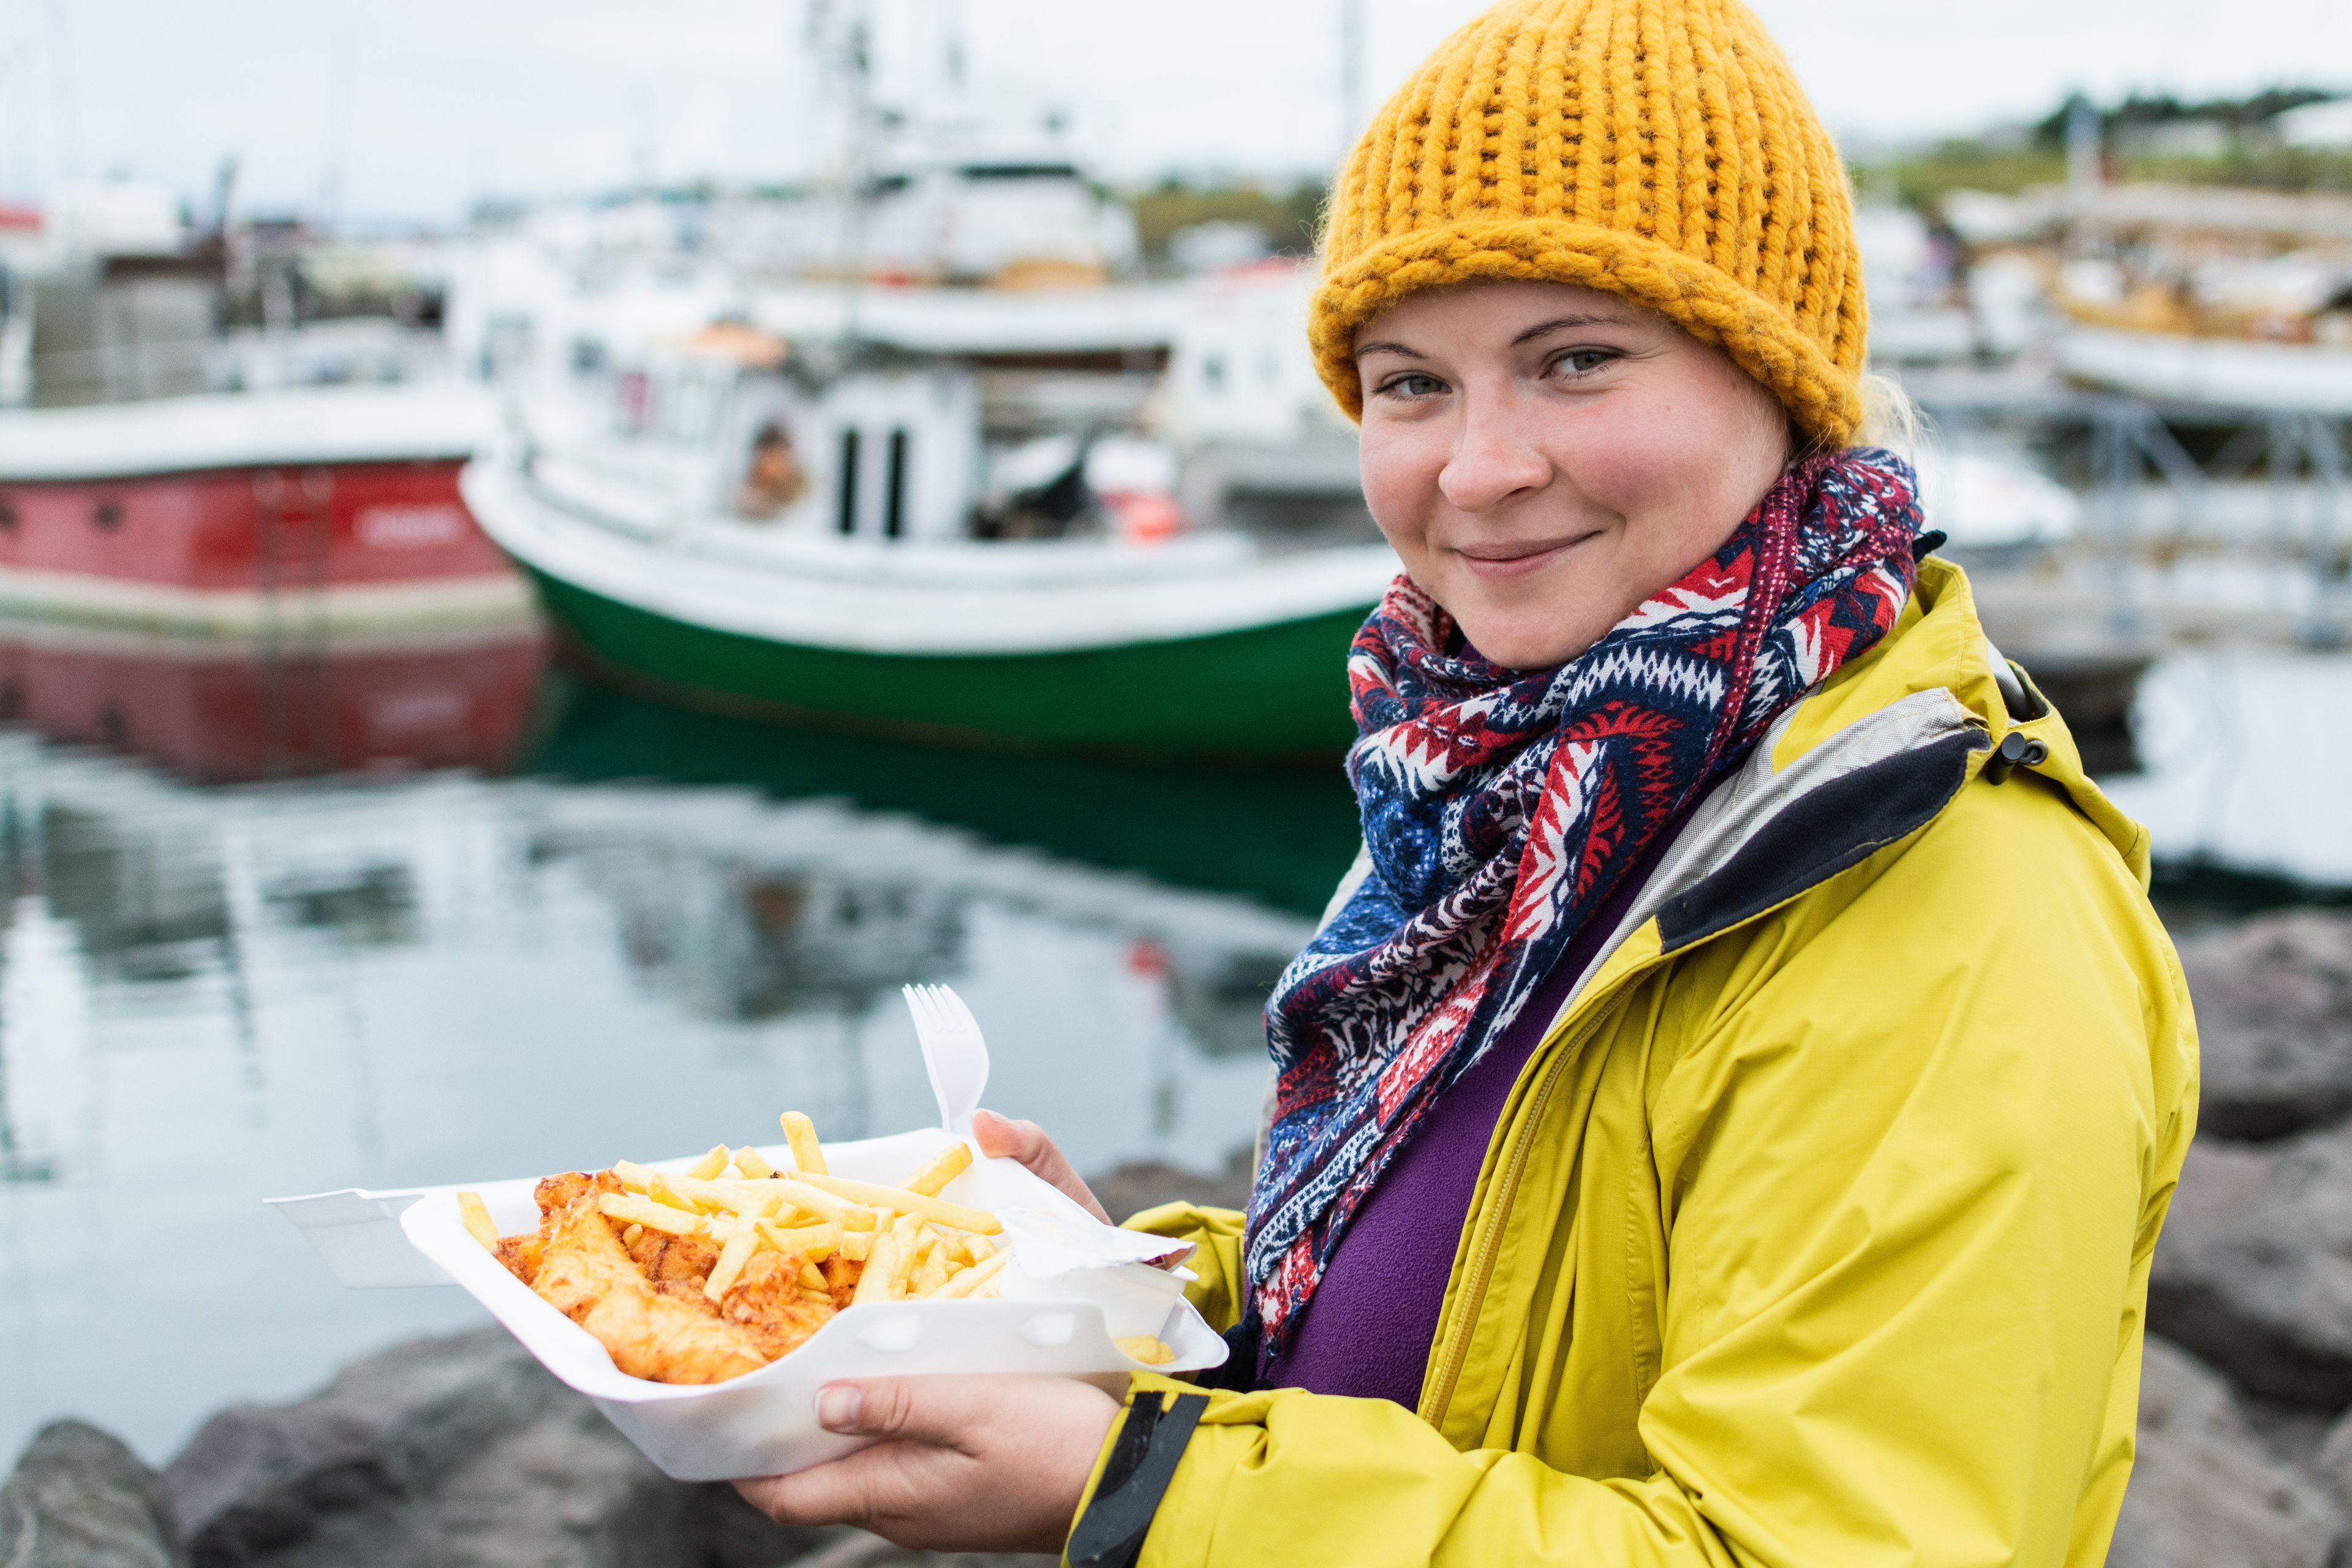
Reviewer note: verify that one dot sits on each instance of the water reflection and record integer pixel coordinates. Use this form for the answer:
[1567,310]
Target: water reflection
[291,705]
[657,929]
[1279,837]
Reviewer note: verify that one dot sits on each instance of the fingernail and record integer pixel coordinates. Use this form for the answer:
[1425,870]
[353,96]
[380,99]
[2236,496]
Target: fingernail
[839,1407]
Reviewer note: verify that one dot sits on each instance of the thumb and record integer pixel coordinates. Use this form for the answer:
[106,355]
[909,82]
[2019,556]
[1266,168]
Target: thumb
[936,1410]
[1001,1138]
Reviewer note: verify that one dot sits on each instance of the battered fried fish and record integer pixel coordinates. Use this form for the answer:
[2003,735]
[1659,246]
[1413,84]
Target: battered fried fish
[768,1300]
[586,1274]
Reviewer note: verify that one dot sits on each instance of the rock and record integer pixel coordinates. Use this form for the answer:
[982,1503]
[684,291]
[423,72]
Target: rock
[2273,999]
[863,1550]
[2254,1269]
[444,1452]
[79,1499]
[1148,1184]
[2204,1491]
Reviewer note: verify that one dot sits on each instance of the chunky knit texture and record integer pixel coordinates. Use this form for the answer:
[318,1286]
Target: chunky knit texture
[1658,150]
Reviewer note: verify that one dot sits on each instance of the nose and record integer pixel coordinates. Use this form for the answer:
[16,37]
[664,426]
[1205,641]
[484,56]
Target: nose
[1493,461]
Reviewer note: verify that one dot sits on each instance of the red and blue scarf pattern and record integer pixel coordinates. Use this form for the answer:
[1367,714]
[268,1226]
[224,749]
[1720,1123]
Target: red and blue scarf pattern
[1501,807]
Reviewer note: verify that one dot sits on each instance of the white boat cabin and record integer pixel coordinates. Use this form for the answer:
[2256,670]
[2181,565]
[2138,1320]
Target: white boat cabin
[733,433]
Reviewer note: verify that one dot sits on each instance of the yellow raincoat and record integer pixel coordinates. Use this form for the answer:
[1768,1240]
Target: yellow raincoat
[1817,1230]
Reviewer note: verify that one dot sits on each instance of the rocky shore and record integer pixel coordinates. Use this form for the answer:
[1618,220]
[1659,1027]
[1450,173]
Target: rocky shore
[457,1452]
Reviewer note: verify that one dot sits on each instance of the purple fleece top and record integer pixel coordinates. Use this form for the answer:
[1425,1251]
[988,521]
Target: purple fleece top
[1367,1330]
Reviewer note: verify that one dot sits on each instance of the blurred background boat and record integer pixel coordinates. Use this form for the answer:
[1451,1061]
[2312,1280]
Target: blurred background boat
[238,514]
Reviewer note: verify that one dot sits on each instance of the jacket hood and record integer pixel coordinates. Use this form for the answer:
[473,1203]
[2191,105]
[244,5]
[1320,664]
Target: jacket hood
[1939,643]
[1862,764]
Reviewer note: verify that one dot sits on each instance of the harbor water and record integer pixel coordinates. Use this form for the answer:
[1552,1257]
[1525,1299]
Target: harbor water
[647,932]
[602,927]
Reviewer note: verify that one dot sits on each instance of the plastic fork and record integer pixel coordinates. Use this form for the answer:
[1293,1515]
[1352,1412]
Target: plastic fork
[954,1053]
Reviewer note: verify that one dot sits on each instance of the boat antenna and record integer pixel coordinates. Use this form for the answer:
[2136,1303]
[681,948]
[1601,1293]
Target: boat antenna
[2083,175]
[843,37]
[336,143]
[1351,72]
[951,45]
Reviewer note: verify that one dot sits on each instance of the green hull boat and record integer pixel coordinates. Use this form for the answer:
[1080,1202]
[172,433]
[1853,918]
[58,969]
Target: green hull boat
[1195,648]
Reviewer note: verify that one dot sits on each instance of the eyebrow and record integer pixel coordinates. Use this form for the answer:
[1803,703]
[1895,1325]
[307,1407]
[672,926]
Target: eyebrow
[1541,329]
[1559,323]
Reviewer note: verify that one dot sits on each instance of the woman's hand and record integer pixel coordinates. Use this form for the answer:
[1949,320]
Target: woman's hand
[975,1463]
[1001,1138]
[967,1464]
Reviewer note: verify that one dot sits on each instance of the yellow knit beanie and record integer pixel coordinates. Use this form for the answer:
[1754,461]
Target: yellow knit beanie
[1660,150]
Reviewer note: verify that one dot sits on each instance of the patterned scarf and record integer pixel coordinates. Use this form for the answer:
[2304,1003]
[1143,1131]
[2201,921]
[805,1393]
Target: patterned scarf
[1501,809]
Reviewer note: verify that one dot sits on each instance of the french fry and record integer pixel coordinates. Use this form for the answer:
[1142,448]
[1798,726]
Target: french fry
[800,1133]
[1144,1347]
[930,1274]
[909,1229]
[752,1164]
[801,1195]
[812,1278]
[478,1223]
[857,1245]
[938,1171]
[883,1266]
[636,1208]
[712,1161]
[742,1240]
[815,1242]
[979,1246]
[940,1210]
[633,1176]
[752,1202]
[971,1279]
[665,1188]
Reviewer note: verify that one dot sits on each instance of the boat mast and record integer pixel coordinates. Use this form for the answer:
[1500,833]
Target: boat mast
[1351,73]
[842,34]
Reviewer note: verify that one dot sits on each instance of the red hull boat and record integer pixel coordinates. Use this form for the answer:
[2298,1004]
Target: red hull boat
[243,515]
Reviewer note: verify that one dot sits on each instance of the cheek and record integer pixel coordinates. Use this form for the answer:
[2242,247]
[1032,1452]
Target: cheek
[1681,472]
[1638,456]
[1401,467]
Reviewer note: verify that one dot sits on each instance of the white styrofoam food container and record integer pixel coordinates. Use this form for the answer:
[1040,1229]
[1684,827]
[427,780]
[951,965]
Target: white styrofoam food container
[764,1423]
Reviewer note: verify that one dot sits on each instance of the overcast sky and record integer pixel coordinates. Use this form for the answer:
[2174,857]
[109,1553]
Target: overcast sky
[447,101]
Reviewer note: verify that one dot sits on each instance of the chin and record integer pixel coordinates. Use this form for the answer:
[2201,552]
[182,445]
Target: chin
[1523,642]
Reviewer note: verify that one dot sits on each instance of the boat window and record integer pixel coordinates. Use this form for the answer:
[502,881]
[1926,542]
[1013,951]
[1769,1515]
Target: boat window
[692,406]
[849,445]
[894,495]
[634,403]
[1019,171]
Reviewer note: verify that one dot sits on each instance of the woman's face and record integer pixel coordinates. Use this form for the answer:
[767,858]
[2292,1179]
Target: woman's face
[1544,458]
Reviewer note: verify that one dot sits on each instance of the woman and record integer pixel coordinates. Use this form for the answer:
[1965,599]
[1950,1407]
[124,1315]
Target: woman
[1728,1112]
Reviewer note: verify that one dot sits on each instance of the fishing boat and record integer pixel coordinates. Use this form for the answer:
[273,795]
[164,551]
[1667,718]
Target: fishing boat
[899,572]
[2273,377]
[242,514]
[2230,299]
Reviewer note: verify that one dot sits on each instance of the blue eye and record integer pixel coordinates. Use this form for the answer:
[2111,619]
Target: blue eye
[1583,362]
[1414,383]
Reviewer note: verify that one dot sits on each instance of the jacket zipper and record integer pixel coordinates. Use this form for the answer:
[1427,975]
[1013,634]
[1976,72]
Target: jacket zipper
[1482,1266]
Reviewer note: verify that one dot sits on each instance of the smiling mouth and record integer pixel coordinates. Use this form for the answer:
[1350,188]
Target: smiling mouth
[1494,562]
